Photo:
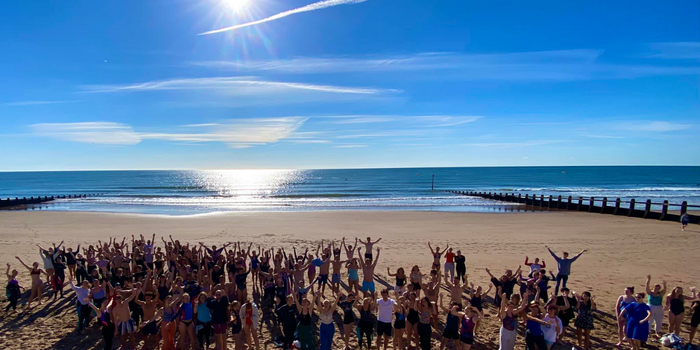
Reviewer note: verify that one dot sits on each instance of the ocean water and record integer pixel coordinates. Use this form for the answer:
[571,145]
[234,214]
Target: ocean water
[197,192]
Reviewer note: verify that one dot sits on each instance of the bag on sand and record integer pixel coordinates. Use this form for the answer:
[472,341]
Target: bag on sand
[670,340]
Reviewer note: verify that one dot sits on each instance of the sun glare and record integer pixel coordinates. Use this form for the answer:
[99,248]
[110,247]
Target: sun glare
[237,5]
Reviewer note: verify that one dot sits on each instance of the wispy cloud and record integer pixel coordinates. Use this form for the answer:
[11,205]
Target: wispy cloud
[653,126]
[236,133]
[309,141]
[675,50]
[514,144]
[407,120]
[232,86]
[359,145]
[599,136]
[34,103]
[312,7]
[562,65]
[107,133]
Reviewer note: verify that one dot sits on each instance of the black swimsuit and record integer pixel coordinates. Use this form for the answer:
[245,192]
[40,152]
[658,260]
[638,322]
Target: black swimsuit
[413,316]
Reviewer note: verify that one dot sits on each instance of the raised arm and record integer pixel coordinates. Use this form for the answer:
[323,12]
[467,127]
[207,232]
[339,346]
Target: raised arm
[387,271]
[646,285]
[553,255]
[527,262]
[376,260]
[578,255]
[21,262]
[489,272]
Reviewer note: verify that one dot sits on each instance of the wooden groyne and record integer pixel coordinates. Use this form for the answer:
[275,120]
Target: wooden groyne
[13,202]
[603,205]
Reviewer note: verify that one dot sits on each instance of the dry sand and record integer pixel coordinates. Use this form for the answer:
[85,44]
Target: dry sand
[621,252]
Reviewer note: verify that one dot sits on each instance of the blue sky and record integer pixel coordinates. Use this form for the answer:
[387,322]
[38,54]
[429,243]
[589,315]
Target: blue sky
[347,83]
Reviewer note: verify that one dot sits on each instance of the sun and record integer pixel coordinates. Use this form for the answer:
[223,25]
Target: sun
[236,5]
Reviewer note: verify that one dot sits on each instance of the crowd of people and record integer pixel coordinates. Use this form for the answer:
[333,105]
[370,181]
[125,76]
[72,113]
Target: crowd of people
[182,296]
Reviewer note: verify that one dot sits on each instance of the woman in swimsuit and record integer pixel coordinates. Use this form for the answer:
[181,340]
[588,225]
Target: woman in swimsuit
[622,302]
[469,322]
[452,322]
[694,320]
[400,287]
[437,255]
[311,273]
[412,318]
[508,315]
[346,304]
[426,311]
[236,325]
[655,302]
[675,304]
[399,322]
[255,267]
[37,284]
[305,328]
[186,326]
[416,280]
[353,277]
[13,289]
[477,297]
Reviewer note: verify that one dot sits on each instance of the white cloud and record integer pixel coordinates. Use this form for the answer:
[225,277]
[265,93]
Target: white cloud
[599,136]
[351,146]
[675,50]
[420,120]
[514,144]
[107,133]
[242,86]
[236,133]
[34,103]
[308,141]
[563,65]
[312,7]
[653,126]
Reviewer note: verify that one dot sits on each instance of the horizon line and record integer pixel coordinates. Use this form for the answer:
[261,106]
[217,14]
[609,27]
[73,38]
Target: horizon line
[357,168]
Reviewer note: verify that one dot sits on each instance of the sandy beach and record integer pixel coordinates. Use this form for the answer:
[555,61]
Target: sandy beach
[621,252]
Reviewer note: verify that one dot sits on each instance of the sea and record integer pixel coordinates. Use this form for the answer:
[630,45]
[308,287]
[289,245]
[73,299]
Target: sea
[193,192]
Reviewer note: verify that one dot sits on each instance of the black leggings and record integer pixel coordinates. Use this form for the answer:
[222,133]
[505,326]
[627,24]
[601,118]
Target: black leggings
[12,304]
[424,334]
[288,331]
[461,273]
[204,334]
[532,340]
[366,330]
[108,336]
[81,274]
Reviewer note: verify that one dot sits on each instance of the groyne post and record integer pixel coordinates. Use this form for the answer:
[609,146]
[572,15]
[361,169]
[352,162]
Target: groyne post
[664,210]
[631,212]
[647,208]
[617,206]
[580,204]
[591,202]
[604,205]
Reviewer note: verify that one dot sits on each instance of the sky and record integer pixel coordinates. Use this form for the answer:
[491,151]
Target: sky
[298,84]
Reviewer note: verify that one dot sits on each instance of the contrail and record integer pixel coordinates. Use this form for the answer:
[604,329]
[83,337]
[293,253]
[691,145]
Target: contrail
[312,7]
